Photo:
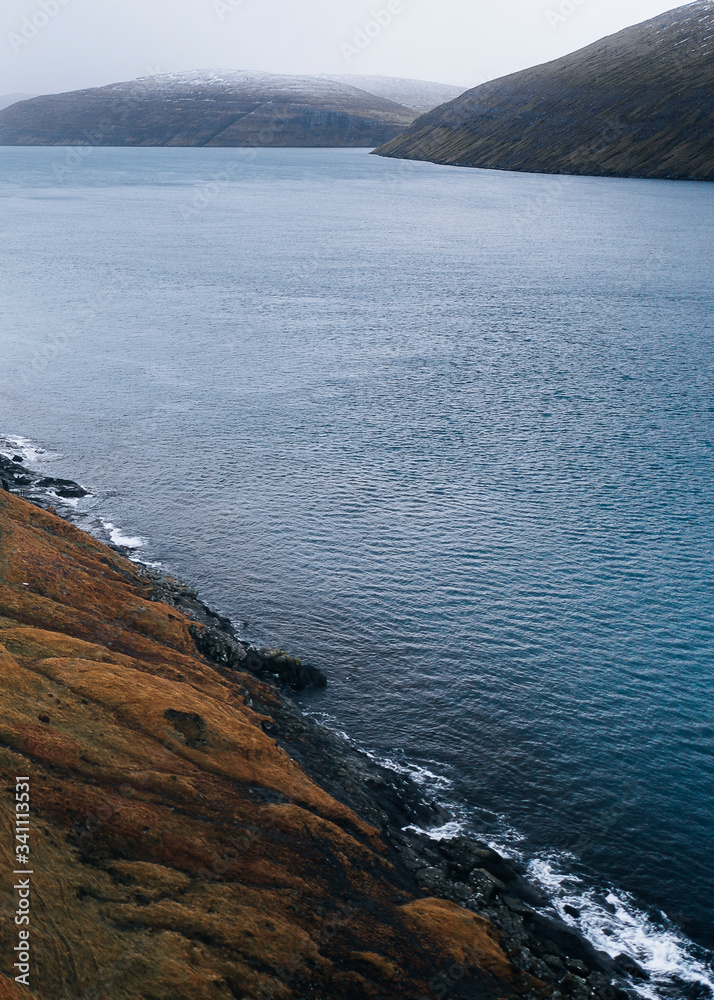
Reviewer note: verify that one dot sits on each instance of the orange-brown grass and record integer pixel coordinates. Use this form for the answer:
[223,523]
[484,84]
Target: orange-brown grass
[157,873]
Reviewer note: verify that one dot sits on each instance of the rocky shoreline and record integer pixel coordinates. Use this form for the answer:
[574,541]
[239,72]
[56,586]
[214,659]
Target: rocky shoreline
[462,870]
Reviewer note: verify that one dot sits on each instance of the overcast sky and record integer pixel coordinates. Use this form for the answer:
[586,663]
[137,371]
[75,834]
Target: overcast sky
[55,45]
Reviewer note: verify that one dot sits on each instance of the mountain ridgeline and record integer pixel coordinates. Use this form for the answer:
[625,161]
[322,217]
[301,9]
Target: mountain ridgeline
[231,108]
[639,103]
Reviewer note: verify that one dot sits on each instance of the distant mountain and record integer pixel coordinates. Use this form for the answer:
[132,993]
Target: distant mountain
[10,99]
[206,108]
[636,104]
[420,95]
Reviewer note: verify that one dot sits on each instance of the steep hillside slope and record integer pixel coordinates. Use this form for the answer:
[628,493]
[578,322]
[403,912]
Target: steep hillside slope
[636,104]
[177,851]
[9,99]
[207,109]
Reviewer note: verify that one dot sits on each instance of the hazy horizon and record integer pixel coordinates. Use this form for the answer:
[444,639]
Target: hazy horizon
[60,45]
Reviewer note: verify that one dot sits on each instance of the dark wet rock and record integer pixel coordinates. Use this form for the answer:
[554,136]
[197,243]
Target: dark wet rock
[466,857]
[434,880]
[64,488]
[602,987]
[518,906]
[485,884]
[571,911]
[219,647]
[575,987]
[627,966]
[178,594]
[576,966]
[461,891]
[565,941]
[387,800]
[14,477]
[289,671]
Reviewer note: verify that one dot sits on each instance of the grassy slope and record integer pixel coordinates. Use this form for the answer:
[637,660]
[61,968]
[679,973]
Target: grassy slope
[639,103]
[179,852]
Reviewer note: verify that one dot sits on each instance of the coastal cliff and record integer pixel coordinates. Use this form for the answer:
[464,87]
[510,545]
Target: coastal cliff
[639,103]
[182,845]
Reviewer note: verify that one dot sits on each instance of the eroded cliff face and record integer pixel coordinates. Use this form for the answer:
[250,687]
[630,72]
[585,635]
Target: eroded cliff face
[178,852]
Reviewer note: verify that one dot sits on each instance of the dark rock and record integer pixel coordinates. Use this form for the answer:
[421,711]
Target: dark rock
[485,884]
[517,906]
[266,795]
[218,647]
[571,911]
[461,892]
[576,966]
[190,725]
[465,856]
[627,966]
[179,595]
[18,458]
[289,671]
[602,987]
[567,941]
[433,879]
[575,987]
[63,488]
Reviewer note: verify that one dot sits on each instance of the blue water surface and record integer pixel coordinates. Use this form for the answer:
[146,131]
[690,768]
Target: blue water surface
[447,433]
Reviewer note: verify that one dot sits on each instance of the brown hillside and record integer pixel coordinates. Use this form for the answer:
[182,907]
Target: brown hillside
[179,853]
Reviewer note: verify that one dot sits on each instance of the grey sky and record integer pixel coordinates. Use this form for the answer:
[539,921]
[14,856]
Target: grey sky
[85,43]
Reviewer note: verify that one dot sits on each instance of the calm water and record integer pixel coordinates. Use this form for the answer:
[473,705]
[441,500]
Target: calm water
[447,433]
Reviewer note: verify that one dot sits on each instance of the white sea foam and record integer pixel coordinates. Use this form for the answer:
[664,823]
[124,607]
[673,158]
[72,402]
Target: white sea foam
[614,923]
[118,538]
[429,780]
[454,828]
[13,444]
[611,920]
[65,501]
